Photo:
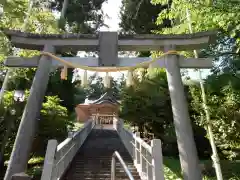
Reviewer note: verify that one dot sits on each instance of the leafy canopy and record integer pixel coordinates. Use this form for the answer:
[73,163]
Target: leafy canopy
[222,15]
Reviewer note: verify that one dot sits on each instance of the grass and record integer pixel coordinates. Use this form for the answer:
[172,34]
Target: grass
[230,169]
[172,169]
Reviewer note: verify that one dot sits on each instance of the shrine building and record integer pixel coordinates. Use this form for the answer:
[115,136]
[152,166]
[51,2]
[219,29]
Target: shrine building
[102,110]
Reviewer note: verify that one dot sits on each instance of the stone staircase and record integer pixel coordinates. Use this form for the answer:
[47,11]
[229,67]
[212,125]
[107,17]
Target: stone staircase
[93,160]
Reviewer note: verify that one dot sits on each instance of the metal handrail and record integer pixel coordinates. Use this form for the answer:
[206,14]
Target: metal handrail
[113,166]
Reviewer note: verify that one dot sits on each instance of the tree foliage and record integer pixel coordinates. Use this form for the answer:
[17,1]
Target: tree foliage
[220,15]
[147,105]
[64,89]
[96,87]
[147,102]
[88,21]
[221,86]
[140,16]
[205,15]
[53,123]
[223,92]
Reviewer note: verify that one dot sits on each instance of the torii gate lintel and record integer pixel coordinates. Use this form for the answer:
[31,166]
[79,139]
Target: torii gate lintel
[24,62]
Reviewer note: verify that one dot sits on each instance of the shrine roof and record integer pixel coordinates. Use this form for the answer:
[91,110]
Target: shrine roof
[106,98]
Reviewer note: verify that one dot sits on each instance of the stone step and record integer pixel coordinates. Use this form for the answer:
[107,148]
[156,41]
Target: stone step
[83,164]
[101,170]
[98,163]
[89,178]
[105,159]
[93,161]
[104,170]
[99,160]
[98,176]
[94,156]
[102,173]
[96,168]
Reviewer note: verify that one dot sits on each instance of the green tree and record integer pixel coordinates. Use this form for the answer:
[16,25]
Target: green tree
[41,21]
[140,16]
[10,115]
[96,88]
[221,86]
[221,15]
[147,104]
[64,89]
[205,15]
[223,92]
[54,124]
[88,21]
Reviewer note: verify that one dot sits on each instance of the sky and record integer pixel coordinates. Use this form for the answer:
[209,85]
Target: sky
[112,8]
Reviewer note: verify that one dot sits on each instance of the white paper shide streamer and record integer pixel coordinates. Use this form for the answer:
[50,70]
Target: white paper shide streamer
[107,80]
[129,80]
[84,79]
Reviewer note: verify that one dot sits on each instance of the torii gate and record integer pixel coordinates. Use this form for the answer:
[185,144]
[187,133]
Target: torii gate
[108,44]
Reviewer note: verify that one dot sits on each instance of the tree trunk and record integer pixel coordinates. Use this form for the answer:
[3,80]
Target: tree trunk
[5,140]
[1,161]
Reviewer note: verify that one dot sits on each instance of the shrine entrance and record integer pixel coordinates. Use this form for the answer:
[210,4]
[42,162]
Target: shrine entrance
[103,118]
[102,110]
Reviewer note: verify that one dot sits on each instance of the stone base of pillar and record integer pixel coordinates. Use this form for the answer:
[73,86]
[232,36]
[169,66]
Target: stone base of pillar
[21,176]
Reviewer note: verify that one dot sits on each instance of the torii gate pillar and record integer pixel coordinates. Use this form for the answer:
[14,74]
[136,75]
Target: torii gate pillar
[186,144]
[26,131]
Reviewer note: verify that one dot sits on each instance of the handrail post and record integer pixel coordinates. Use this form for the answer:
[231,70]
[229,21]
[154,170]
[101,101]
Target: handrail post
[113,168]
[142,160]
[157,159]
[115,156]
[137,153]
[149,166]
[49,160]
[147,158]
